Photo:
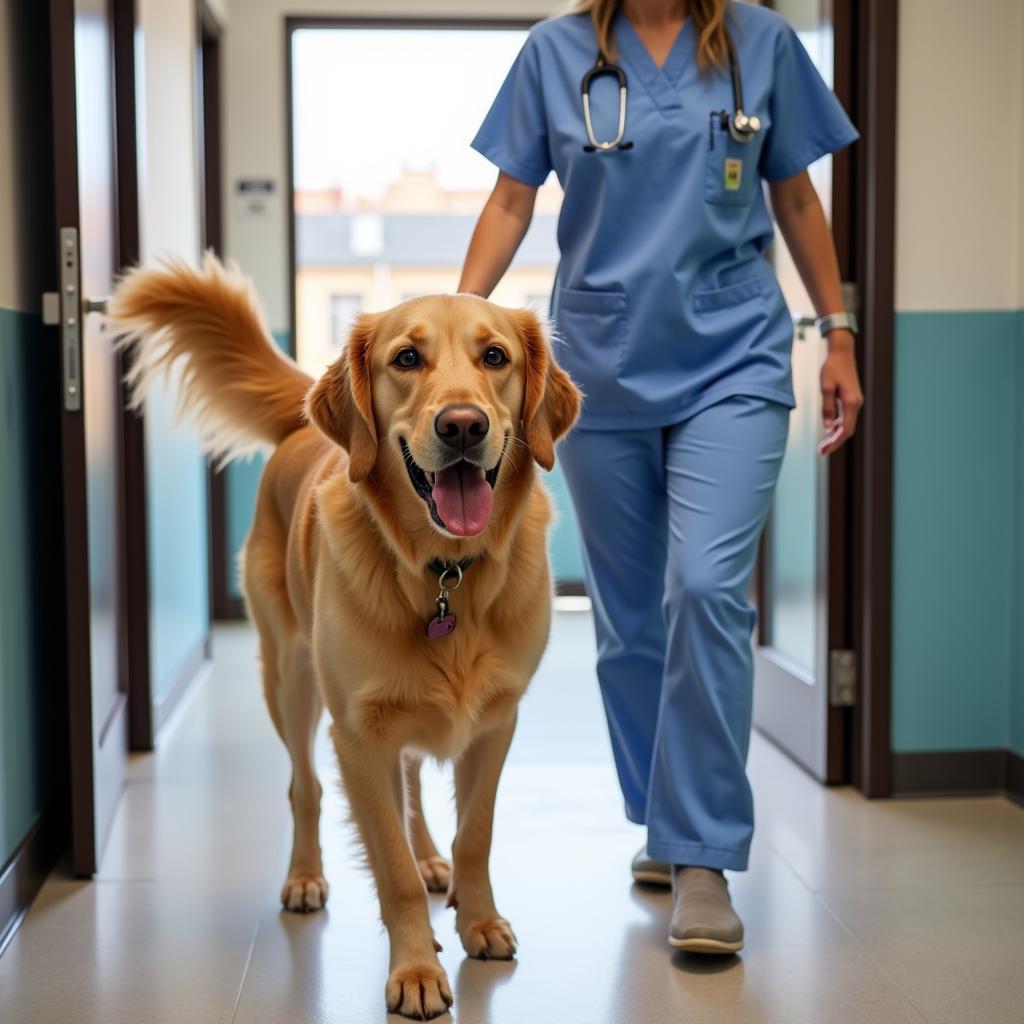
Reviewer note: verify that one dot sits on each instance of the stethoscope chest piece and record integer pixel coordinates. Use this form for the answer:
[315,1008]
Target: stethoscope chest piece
[743,127]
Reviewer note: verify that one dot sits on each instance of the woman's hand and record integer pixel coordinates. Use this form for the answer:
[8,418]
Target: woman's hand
[841,396]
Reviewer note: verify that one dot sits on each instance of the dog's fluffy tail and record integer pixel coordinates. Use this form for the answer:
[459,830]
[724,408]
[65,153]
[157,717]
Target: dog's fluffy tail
[236,386]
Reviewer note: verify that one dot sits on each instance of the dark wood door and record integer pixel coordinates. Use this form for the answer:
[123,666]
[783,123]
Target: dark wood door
[805,667]
[86,215]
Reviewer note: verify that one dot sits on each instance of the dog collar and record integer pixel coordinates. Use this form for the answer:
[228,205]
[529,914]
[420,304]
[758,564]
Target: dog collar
[444,621]
[441,569]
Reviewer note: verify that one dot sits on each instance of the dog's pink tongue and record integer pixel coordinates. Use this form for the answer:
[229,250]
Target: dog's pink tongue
[463,499]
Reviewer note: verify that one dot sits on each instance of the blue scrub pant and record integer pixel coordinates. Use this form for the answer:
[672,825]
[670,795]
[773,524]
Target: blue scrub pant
[670,518]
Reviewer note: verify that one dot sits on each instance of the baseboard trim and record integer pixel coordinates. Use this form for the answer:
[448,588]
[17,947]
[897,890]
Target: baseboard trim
[164,705]
[570,588]
[959,773]
[23,875]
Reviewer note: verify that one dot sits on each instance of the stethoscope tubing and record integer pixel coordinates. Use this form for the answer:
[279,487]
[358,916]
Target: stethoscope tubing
[742,127]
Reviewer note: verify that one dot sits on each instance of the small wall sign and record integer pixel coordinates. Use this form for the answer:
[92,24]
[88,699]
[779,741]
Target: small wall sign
[254,197]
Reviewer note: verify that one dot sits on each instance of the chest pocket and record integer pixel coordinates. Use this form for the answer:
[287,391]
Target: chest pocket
[730,175]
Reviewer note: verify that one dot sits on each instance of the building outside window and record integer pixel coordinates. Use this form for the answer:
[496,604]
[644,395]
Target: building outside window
[344,309]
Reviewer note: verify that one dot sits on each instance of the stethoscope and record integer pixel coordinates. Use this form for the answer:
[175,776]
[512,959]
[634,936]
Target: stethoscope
[742,127]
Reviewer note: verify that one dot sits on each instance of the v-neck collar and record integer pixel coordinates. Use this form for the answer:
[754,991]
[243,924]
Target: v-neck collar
[661,82]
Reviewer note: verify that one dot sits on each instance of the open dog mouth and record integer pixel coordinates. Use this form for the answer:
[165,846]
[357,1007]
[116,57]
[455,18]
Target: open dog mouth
[459,496]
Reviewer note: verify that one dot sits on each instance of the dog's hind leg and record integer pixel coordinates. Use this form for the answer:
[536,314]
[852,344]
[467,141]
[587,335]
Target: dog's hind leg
[300,707]
[484,933]
[434,868]
[295,706]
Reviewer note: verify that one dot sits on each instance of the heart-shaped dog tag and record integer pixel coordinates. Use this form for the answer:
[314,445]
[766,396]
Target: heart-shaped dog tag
[441,625]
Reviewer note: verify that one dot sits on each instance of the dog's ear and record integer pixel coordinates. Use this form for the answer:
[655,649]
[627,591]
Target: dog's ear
[551,403]
[340,404]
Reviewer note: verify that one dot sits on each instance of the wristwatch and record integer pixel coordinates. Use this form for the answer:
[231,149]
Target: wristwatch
[837,322]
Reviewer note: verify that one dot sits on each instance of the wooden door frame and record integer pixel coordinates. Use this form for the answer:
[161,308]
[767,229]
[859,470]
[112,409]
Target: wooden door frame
[224,605]
[142,726]
[876,28]
[834,551]
[860,478]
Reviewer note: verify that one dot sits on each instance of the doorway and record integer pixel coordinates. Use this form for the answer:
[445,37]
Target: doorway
[822,645]
[87,255]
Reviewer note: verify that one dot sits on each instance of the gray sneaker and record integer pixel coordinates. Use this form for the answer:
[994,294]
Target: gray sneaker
[703,920]
[650,871]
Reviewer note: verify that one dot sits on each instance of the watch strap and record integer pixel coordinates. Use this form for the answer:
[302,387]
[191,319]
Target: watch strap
[837,322]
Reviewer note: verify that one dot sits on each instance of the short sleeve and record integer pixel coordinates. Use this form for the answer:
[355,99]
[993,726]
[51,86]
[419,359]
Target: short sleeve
[807,121]
[514,135]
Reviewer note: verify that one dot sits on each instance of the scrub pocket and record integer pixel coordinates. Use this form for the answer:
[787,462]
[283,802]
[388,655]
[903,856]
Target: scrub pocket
[593,326]
[731,176]
[711,300]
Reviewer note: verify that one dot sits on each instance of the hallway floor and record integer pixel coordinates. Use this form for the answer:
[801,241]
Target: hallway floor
[856,912]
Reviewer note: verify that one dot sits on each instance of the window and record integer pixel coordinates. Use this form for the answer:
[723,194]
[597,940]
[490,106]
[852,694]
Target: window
[377,225]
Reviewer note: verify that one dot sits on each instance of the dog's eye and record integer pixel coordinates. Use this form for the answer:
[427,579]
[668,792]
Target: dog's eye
[407,359]
[495,356]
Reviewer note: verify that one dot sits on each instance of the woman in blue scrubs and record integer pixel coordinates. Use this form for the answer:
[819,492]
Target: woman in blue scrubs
[672,321]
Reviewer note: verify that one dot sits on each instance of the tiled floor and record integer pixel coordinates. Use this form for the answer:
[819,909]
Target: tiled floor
[856,912]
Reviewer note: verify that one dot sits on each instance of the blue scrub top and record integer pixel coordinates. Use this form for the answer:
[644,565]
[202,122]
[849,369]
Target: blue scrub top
[664,303]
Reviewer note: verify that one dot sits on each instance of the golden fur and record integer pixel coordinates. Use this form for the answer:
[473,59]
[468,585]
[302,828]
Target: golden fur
[335,571]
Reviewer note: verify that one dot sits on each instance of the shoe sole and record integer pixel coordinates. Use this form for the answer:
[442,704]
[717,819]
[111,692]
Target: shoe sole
[652,878]
[713,946]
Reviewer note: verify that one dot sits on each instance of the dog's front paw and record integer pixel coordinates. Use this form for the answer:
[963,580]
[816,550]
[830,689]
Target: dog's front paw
[302,894]
[421,992]
[436,872]
[489,939]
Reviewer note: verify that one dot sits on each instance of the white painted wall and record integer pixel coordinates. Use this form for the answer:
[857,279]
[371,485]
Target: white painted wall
[168,170]
[255,145]
[169,226]
[960,155]
[219,9]
[11,296]
[1019,92]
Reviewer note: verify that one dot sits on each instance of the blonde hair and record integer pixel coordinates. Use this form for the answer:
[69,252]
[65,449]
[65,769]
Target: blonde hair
[708,17]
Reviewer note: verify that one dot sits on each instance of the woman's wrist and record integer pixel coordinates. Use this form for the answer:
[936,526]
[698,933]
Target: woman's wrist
[840,340]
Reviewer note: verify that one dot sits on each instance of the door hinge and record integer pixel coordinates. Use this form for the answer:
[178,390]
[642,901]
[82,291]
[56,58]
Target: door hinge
[842,678]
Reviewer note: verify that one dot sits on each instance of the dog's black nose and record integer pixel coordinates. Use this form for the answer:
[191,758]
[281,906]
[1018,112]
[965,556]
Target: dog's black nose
[461,426]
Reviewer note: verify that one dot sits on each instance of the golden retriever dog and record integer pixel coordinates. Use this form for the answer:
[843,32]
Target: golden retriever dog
[396,570]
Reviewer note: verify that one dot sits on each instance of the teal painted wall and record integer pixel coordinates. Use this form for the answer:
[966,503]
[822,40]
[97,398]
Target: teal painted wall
[20,777]
[242,480]
[564,545]
[958,531]
[179,602]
